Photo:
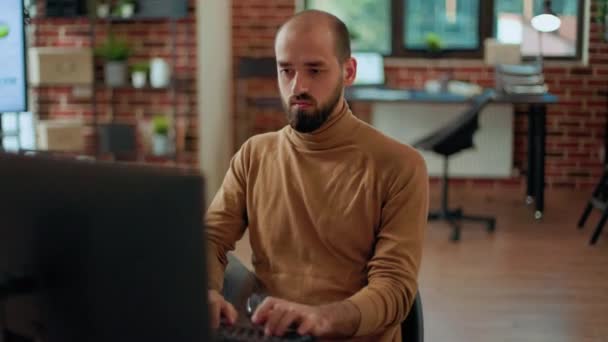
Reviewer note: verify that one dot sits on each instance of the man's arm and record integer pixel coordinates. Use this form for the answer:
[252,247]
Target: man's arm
[226,218]
[393,269]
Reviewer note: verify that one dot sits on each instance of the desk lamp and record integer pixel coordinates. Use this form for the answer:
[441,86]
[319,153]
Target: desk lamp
[545,22]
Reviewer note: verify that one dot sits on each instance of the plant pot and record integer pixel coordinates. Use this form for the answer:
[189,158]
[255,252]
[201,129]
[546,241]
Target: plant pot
[160,74]
[117,138]
[115,73]
[138,78]
[103,10]
[161,146]
[127,10]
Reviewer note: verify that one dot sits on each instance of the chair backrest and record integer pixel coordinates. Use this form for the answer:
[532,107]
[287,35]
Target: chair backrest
[457,135]
[412,328]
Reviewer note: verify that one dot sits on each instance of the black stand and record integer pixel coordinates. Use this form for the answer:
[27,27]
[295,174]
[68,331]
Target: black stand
[455,216]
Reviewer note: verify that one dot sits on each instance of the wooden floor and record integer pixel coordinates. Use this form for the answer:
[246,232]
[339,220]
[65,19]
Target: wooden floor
[529,281]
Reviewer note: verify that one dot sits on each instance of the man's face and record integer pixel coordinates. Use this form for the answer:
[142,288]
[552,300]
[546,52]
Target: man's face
[310,77]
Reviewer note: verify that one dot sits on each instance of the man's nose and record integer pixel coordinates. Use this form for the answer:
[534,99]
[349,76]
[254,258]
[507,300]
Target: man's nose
[300,84]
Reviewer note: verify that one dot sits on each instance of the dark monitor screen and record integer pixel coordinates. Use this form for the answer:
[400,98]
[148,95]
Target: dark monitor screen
[101,252]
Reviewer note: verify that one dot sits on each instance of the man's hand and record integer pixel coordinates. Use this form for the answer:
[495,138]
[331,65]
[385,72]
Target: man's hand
[219,307]
[332,320]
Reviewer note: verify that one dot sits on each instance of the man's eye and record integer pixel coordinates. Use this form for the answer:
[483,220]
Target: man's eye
[315,71]
[286,71]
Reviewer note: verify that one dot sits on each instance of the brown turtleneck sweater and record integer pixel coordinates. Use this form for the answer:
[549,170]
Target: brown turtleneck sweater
[337,214]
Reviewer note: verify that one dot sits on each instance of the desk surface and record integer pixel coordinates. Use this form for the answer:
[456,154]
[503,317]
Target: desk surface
[375,94]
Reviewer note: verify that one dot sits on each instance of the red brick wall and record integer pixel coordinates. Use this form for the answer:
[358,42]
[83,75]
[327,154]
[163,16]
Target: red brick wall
[149,39]
[575,126]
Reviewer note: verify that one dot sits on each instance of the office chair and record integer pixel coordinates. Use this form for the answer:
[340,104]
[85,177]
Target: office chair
[447,141]
[412,328]
[239,283]
[599,200]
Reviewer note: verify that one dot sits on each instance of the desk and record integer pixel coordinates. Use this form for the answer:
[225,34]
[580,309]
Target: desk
[537,110]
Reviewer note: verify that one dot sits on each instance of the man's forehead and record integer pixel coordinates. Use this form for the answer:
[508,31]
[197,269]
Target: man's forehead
[302,49]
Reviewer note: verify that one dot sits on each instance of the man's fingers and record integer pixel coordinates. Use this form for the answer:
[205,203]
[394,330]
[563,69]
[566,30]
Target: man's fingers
[306,326]
[229,312]
[263,310]
[290,317]
[275,316]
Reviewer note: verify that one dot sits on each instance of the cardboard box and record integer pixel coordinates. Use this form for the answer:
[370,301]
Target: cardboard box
[499,53]
[60,66]
[61,135]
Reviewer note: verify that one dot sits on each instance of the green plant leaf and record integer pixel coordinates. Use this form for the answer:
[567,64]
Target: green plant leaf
[4,30]
[160,125]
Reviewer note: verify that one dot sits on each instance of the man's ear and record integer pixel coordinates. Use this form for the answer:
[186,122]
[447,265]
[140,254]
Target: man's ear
[349,68]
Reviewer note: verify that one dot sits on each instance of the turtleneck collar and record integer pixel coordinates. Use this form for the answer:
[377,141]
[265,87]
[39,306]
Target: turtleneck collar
[336,131]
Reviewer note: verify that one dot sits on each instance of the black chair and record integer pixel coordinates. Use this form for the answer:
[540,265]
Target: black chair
[447,141]
[239,283]
[412,328]
[599,200]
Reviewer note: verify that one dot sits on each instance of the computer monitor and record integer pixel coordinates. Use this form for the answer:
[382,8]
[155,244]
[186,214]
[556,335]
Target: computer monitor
[370,69]
[13,81]
[91,251]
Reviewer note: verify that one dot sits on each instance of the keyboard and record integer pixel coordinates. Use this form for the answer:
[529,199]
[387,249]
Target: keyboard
[250,332]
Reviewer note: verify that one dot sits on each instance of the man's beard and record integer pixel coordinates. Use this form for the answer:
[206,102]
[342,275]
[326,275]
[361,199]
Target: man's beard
[308,121]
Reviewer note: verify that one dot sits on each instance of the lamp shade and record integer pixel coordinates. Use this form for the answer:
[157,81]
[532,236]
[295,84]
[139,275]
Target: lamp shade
[546,22]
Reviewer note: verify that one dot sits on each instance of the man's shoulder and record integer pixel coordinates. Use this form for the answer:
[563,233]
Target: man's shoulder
[262,142]
[387,148]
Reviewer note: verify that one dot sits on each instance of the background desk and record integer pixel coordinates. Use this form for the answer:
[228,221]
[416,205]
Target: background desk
[537,109]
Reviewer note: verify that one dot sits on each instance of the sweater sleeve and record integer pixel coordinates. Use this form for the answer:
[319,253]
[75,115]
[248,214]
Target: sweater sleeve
[393,268]
[226,218]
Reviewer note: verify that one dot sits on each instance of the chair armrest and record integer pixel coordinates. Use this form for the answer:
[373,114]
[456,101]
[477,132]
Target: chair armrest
[239,284]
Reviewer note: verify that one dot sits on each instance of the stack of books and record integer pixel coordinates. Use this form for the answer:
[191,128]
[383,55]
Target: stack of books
[520,79]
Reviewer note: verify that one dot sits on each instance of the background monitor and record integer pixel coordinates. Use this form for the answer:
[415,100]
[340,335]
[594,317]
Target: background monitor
[13,87]
[370,68]
[101,252]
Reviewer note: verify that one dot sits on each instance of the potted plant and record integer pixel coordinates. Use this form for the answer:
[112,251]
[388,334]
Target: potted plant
[126,8]
[103,9]
[433,44]
[115,52]
[139,74]
[160,135]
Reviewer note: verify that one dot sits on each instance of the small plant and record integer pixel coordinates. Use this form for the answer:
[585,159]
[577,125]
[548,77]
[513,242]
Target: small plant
[114,49]
[140,67]
[121,7]
[433,42]
[160,125]
[602,11]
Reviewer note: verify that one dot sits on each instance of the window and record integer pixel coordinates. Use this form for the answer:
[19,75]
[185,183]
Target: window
[512,25]
[368,21]
[454,22]
[405,27]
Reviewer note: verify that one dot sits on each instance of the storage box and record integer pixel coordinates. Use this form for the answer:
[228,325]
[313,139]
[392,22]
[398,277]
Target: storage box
[61,135]
[499,53]
[60,66]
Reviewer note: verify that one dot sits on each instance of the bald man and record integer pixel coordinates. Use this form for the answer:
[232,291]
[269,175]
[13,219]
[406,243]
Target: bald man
[336,210]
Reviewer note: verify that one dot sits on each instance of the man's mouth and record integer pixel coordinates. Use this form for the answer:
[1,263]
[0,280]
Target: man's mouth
[301,104]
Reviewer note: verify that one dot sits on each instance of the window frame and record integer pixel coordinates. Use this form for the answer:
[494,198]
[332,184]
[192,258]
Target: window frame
[485,30]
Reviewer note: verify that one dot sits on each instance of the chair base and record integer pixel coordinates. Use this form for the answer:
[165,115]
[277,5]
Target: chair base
[455,217]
